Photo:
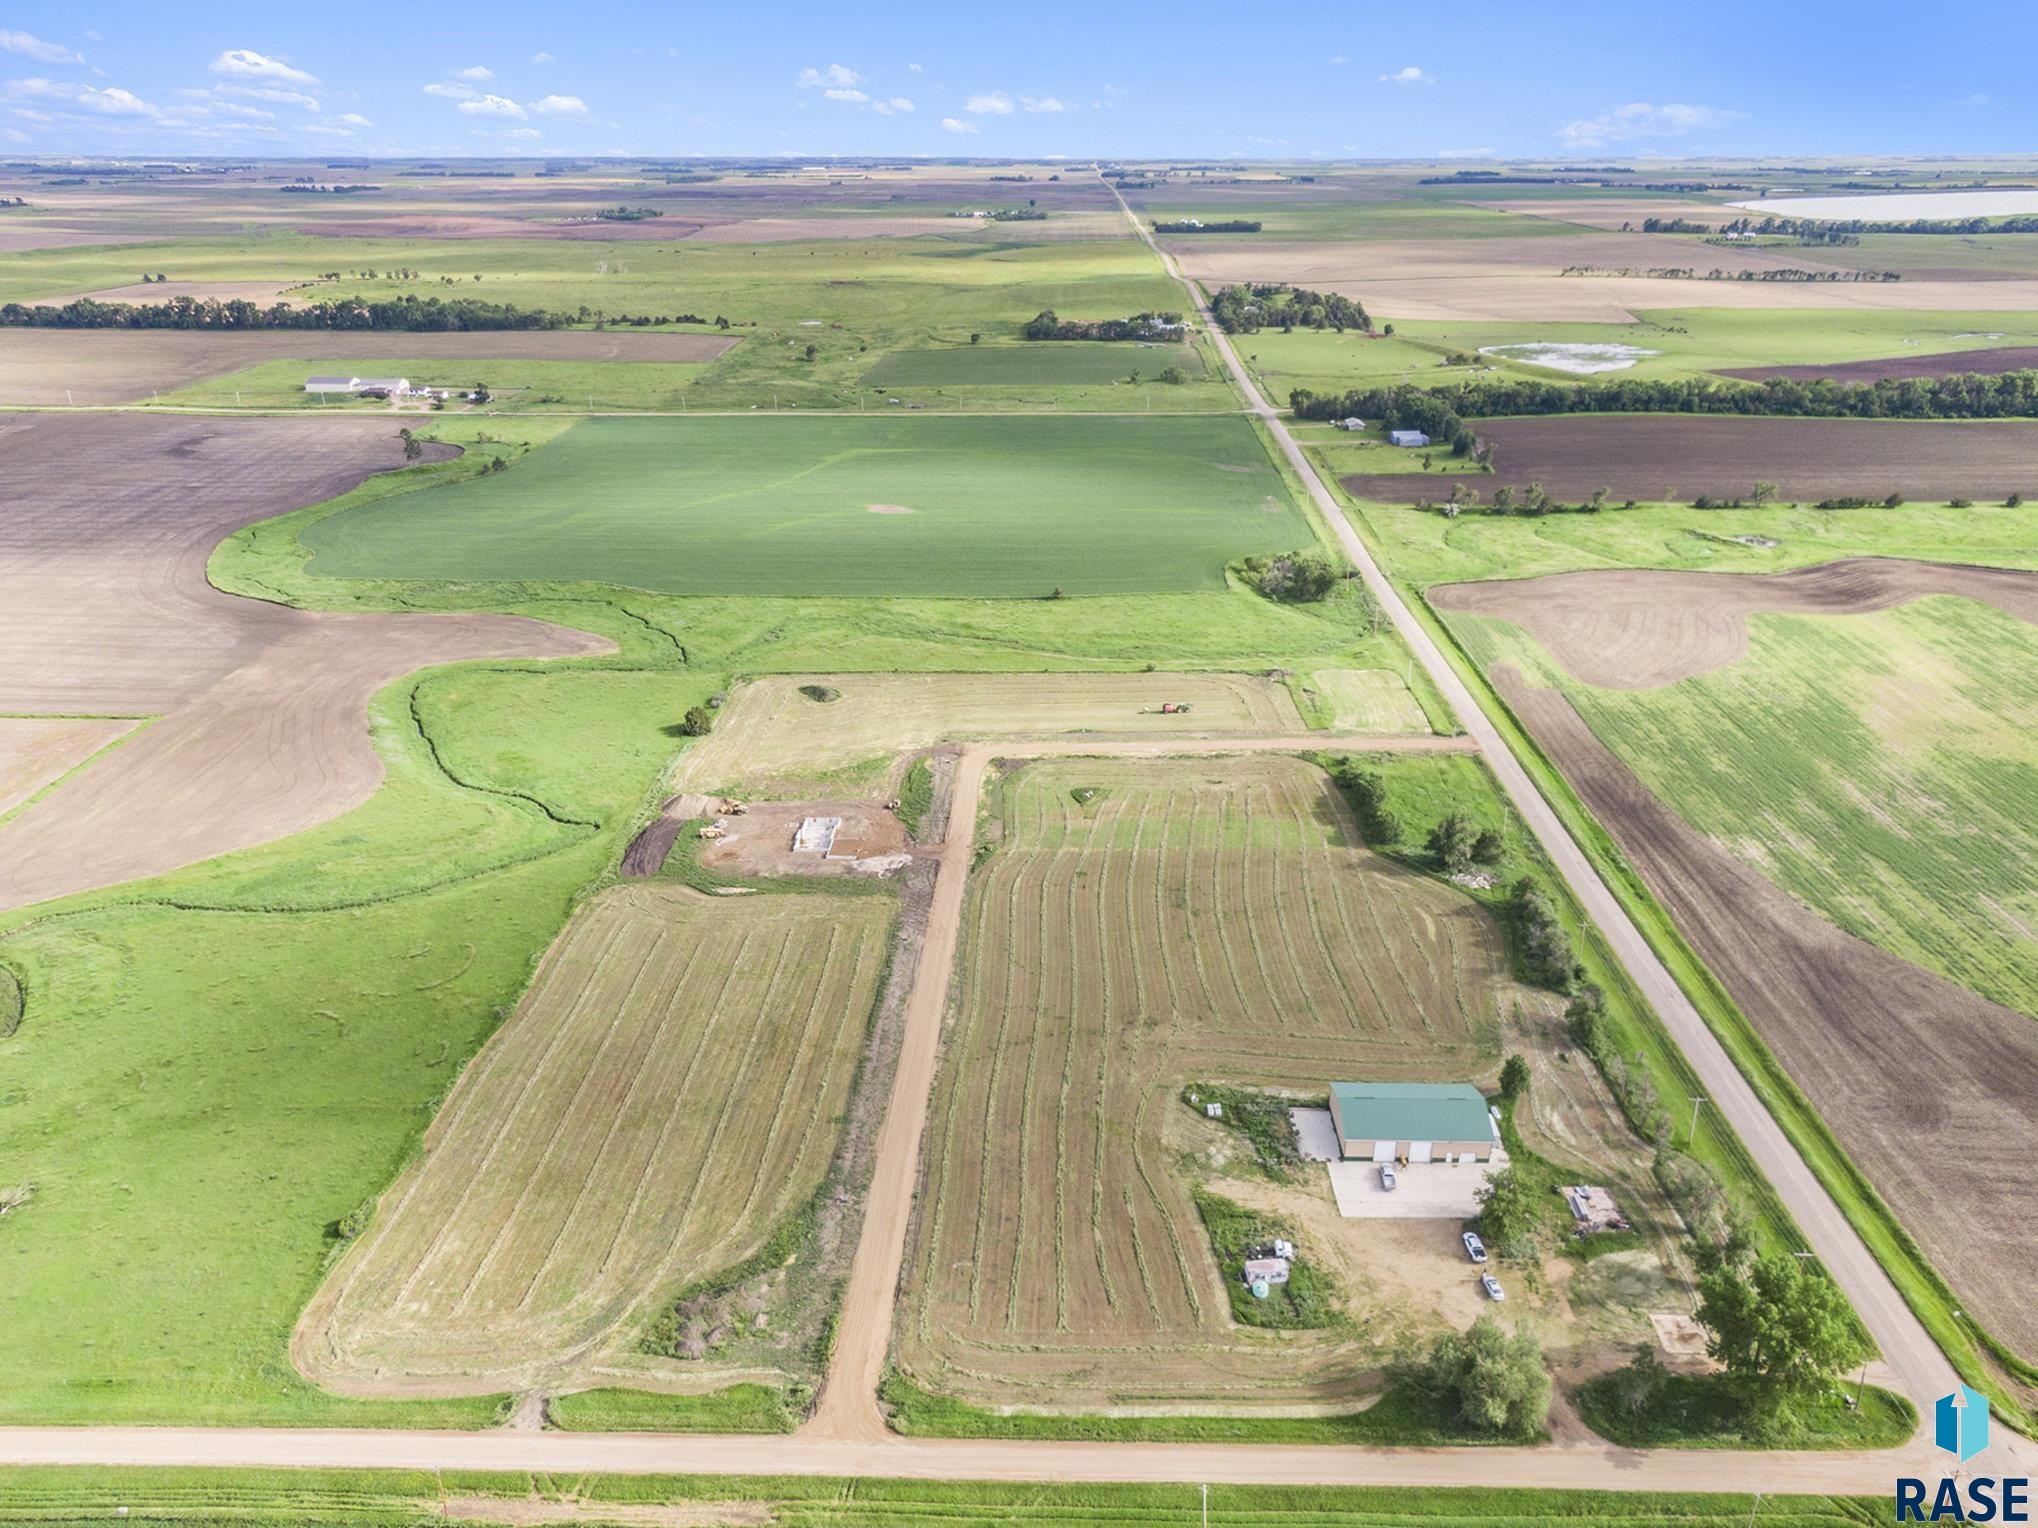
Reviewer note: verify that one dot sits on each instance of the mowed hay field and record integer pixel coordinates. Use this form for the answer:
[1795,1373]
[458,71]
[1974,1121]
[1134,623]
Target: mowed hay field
[773,738]
[670,1090]
[1033,362]
[1195,919]
[845,506]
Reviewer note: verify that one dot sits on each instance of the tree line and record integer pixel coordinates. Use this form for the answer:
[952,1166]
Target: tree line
[1250,308]
[1191,225]
[1048,325]
[1441,412]
[422,314]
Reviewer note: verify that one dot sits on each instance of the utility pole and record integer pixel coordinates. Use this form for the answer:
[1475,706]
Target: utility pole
[1692,1134]
[1206,1507]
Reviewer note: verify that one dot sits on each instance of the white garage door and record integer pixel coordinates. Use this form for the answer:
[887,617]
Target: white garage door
[1383,1151]
[1418,1151]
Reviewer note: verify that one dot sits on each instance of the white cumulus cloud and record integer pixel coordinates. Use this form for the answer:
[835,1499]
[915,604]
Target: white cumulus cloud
[539,58]
[492,106]
[1043,103]
[250,64]
[1639,119]
[481,74]
[957,125]
[849,97]
[559,106]
[28,45]
[992,104]
[273,93]
[1409,76]
[834,75]
[524,134]
[891,107]
[110,102]
[451,91]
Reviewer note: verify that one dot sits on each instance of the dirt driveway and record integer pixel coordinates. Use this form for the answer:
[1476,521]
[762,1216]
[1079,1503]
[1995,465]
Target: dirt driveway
[108,613]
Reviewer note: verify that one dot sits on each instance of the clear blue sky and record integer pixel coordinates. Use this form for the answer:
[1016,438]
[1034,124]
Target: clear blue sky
[1769,77]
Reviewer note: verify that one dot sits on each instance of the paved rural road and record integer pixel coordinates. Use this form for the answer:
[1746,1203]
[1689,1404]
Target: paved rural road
[847,1438]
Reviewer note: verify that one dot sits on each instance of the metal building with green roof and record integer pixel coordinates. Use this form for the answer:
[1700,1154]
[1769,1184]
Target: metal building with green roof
[1413,1122]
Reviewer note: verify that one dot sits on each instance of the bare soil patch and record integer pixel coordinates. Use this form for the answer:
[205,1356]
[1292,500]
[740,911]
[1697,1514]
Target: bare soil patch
[1522,280]
[890,509]
[485,226]
[34,750]
[1637,628]
[760,842]
[95,366]
[1926,1085]
[102,575]
[1947,363]
[17,235]
[1658,456]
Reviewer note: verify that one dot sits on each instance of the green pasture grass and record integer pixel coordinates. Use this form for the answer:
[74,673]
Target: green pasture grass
[746,1408]
[1701,1411]
[1041,362]
[1692,342]
[59,1496]
[999,506]
[1418,557]
[1902,802]
[1425,548]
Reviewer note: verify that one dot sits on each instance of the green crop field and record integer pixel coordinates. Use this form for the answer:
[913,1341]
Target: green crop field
[1689,342]
[835,506]
[1043,361]
[1902,800]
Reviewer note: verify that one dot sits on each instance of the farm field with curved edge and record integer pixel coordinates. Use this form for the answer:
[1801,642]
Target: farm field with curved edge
[669,1091]
[1138,926]
[835,506]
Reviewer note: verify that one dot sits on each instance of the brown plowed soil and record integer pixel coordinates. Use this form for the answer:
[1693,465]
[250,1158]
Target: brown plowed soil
[647,851]
[1666,456]
[92,366]
[1947,363]
[1637,628]
[492,227]
[102,578]
[1927,1086]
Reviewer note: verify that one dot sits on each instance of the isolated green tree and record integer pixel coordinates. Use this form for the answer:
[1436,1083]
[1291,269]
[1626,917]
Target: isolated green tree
[1451,842]
[1780,1329]
[1514,1076]
[1494,1383]
[1511,1216]
[699,721]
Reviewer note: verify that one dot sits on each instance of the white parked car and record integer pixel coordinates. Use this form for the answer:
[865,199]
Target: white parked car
[1492,1287]
[1475,1249]
[1387,1178]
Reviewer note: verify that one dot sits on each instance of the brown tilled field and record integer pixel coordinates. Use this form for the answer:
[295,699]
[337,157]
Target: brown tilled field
[1947,363]
[94,366]
[670,1089]
[102,578]
[1191,919]
[1637,628]
[1679,456]
[36,750]
[774,740]
[1927,1086]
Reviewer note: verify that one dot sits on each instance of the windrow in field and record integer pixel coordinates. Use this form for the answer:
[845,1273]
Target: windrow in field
[670,1090]
[781,505]
[1142,924]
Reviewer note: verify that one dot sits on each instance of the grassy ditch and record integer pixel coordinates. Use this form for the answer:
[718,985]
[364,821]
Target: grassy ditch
[1702,1411]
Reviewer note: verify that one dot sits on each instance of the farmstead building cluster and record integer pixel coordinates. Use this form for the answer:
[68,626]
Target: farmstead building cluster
[1412,1122]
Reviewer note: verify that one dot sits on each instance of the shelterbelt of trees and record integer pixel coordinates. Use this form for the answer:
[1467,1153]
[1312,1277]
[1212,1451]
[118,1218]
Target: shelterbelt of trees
[429,314]
[1440,412]
[1276,305]
[1049,325]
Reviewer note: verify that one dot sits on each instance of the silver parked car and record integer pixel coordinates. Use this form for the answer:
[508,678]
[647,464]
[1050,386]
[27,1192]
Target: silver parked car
[1492,1287]
[1387,1178]
[1475,1249]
